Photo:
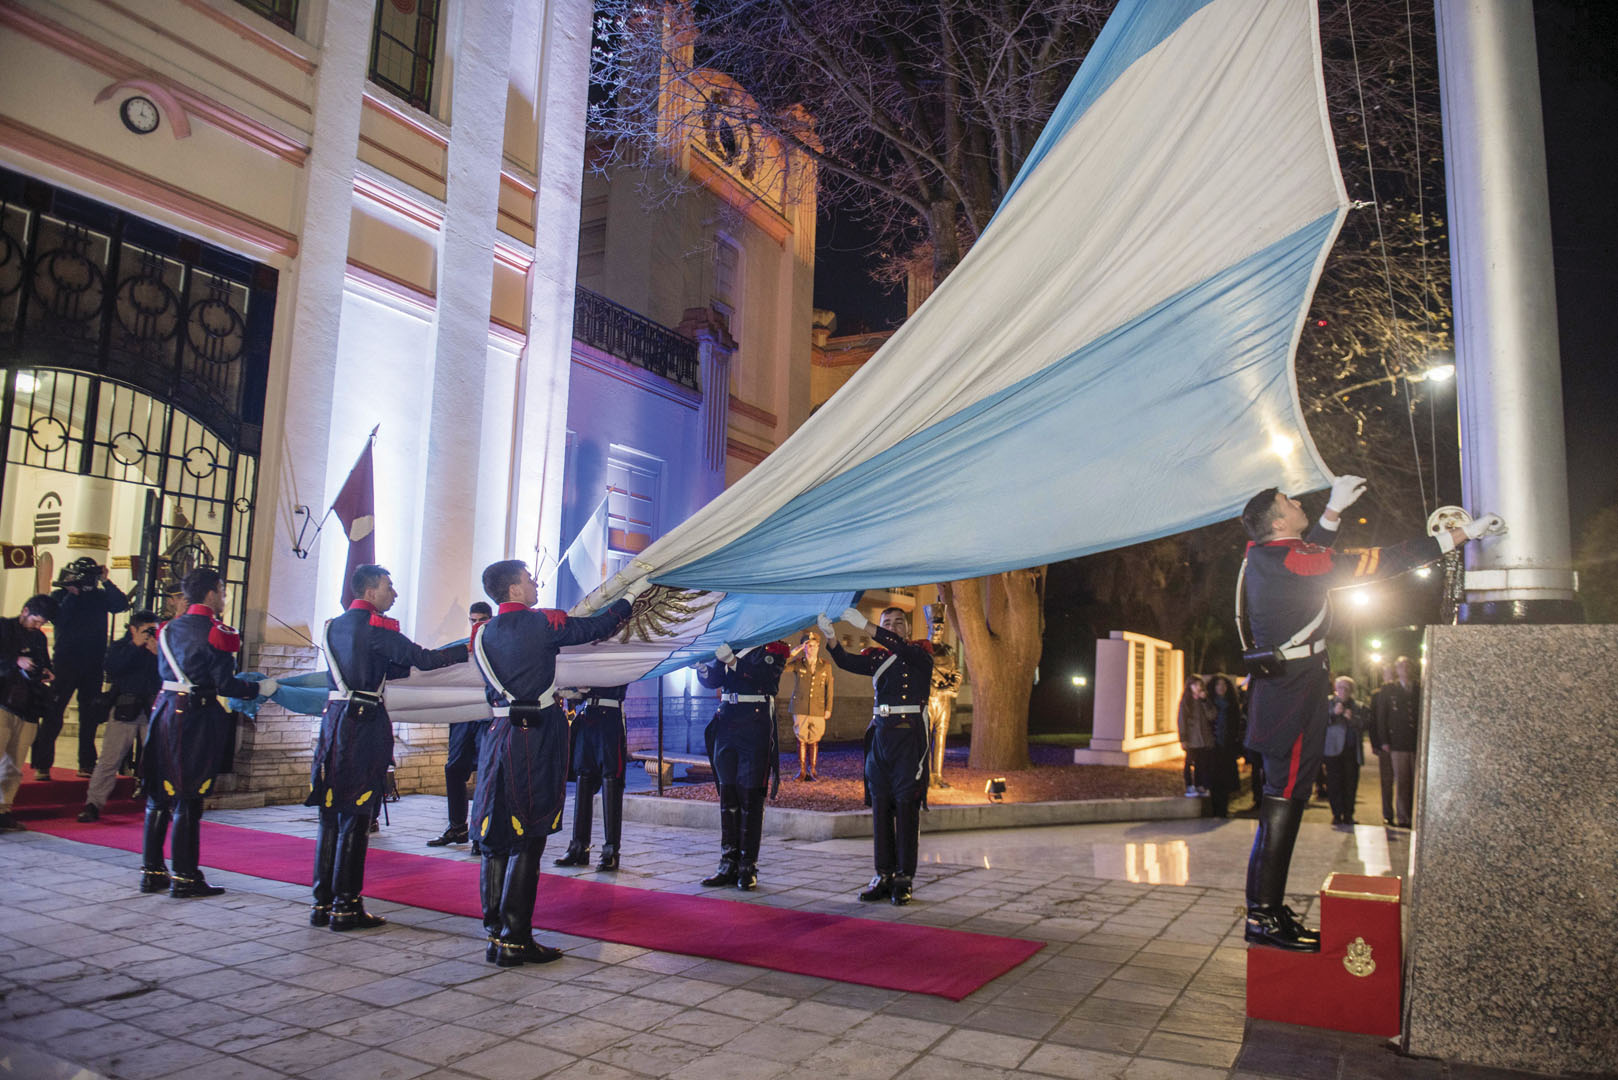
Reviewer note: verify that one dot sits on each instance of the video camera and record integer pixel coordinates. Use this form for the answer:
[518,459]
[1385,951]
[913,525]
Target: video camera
[83,572]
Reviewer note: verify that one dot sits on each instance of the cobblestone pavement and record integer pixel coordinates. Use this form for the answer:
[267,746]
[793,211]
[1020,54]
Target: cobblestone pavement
[1142,977]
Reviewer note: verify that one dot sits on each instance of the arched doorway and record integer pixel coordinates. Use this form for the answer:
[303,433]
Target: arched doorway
[134,362]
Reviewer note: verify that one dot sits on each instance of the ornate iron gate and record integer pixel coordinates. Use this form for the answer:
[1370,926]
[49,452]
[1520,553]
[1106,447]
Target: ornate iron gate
[134,353]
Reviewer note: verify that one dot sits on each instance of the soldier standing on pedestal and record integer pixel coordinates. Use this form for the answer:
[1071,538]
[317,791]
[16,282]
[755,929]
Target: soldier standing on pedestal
[522,766]
[196,657]
[743,752]
[600,760]
[364,649]
[895,744]
[1287,581]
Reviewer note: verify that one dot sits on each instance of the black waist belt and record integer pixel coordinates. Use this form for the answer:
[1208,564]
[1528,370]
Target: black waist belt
[196,690]
[527,714]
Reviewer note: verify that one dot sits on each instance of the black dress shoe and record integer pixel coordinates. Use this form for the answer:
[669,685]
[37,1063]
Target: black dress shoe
[513,953]
[187,888]
[609,860]
[880,888]
[901,891]
[320,915]
[747,878]
[575,856]
[1280,929]
[154,881]
[351,915]
[452,835]
[90,813]
[725,875]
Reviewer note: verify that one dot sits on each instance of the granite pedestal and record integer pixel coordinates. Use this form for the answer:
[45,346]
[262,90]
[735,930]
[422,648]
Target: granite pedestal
[1512,958]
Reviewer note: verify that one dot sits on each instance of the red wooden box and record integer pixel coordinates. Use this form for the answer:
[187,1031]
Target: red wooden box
[1354,982]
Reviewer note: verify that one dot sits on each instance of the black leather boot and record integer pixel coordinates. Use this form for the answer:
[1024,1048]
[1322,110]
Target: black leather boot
[612,823]
[491,886]
[186,879]
[752,821]
[325,869]
[882,850]
[906,836]
[154,872]
[1269,920]
[881,888]
[517,945]
[578,849]
[730,836]
[348,909]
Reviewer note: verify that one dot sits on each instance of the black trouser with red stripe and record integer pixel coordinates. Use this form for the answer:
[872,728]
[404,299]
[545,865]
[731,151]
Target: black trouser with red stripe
[1287,725]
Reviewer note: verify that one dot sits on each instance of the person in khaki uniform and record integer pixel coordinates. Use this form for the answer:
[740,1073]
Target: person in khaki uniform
[811,701]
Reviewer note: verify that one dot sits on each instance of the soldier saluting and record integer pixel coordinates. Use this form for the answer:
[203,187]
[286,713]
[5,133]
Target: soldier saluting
[196,657]
[522,764]
[895,744]
[364,649]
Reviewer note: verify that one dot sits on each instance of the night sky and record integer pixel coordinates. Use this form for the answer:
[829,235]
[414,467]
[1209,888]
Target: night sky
[1578,50]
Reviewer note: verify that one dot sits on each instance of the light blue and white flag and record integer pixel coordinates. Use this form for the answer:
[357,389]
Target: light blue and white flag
[1112,361]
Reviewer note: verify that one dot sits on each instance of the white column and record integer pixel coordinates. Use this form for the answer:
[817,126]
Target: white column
[455,449]
[298,406]
[542,390]
[1507,360]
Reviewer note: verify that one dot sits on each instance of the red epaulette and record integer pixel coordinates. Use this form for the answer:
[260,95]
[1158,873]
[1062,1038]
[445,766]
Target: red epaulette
[382,622]
[556,617]
[1304,558]
[778,648]
[224,638]
[923,643]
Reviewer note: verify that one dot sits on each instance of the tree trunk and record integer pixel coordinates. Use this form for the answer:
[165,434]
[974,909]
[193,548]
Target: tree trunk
[999,620]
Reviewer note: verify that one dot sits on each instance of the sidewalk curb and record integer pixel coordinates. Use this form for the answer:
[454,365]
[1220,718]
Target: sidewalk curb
[791,824]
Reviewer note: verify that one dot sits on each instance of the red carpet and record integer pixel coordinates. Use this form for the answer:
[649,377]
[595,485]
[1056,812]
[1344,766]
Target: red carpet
[63,795]
[894,956]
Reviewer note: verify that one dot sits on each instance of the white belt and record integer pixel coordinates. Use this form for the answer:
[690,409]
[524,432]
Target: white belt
[1298,652]
[896,710]
[546,700]
[178,687]
[746,699]
[603,703]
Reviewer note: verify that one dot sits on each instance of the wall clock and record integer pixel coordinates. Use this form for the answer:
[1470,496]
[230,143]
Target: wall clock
[139,115]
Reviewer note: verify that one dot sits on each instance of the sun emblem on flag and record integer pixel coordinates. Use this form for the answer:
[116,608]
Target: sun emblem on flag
[660,610]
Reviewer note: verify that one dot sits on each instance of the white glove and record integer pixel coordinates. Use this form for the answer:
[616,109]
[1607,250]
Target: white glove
[853,618]
[1487,525]
[827,630]
[1344,491]
[266,687]
[636,589]
[724,654]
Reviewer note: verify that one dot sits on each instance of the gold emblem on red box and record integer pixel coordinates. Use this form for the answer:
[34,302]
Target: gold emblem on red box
[1358,959]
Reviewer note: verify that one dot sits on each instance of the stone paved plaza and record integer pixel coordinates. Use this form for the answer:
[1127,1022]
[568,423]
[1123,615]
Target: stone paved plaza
[1142,977]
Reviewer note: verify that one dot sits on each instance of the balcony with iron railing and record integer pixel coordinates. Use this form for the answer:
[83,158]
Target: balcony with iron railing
[630,336]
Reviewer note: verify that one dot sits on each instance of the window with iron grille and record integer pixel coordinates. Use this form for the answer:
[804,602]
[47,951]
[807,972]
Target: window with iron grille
[283,13]
[404,43]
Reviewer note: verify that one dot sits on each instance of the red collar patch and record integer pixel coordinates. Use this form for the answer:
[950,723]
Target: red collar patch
[381,621]
[509,606]
[359,603]
[202,609]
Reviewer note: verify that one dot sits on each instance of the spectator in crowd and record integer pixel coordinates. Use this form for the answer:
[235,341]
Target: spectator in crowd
[84,598]
[1345,723]
[1196,722]
[1384,761]
[811,701]
[1225,777]
[464,741]
[1398,715]
[133,684]
[25,675]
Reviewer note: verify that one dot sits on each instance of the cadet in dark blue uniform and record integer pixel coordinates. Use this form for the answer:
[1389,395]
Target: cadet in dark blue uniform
[600,755]
[522,766]
[462,762]
[196,656]
[364,649]
[1287,581]
[895,744]
[743,753]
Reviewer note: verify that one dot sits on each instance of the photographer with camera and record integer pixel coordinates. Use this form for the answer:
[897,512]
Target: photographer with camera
[25,674]
[132,686]
[84,598]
